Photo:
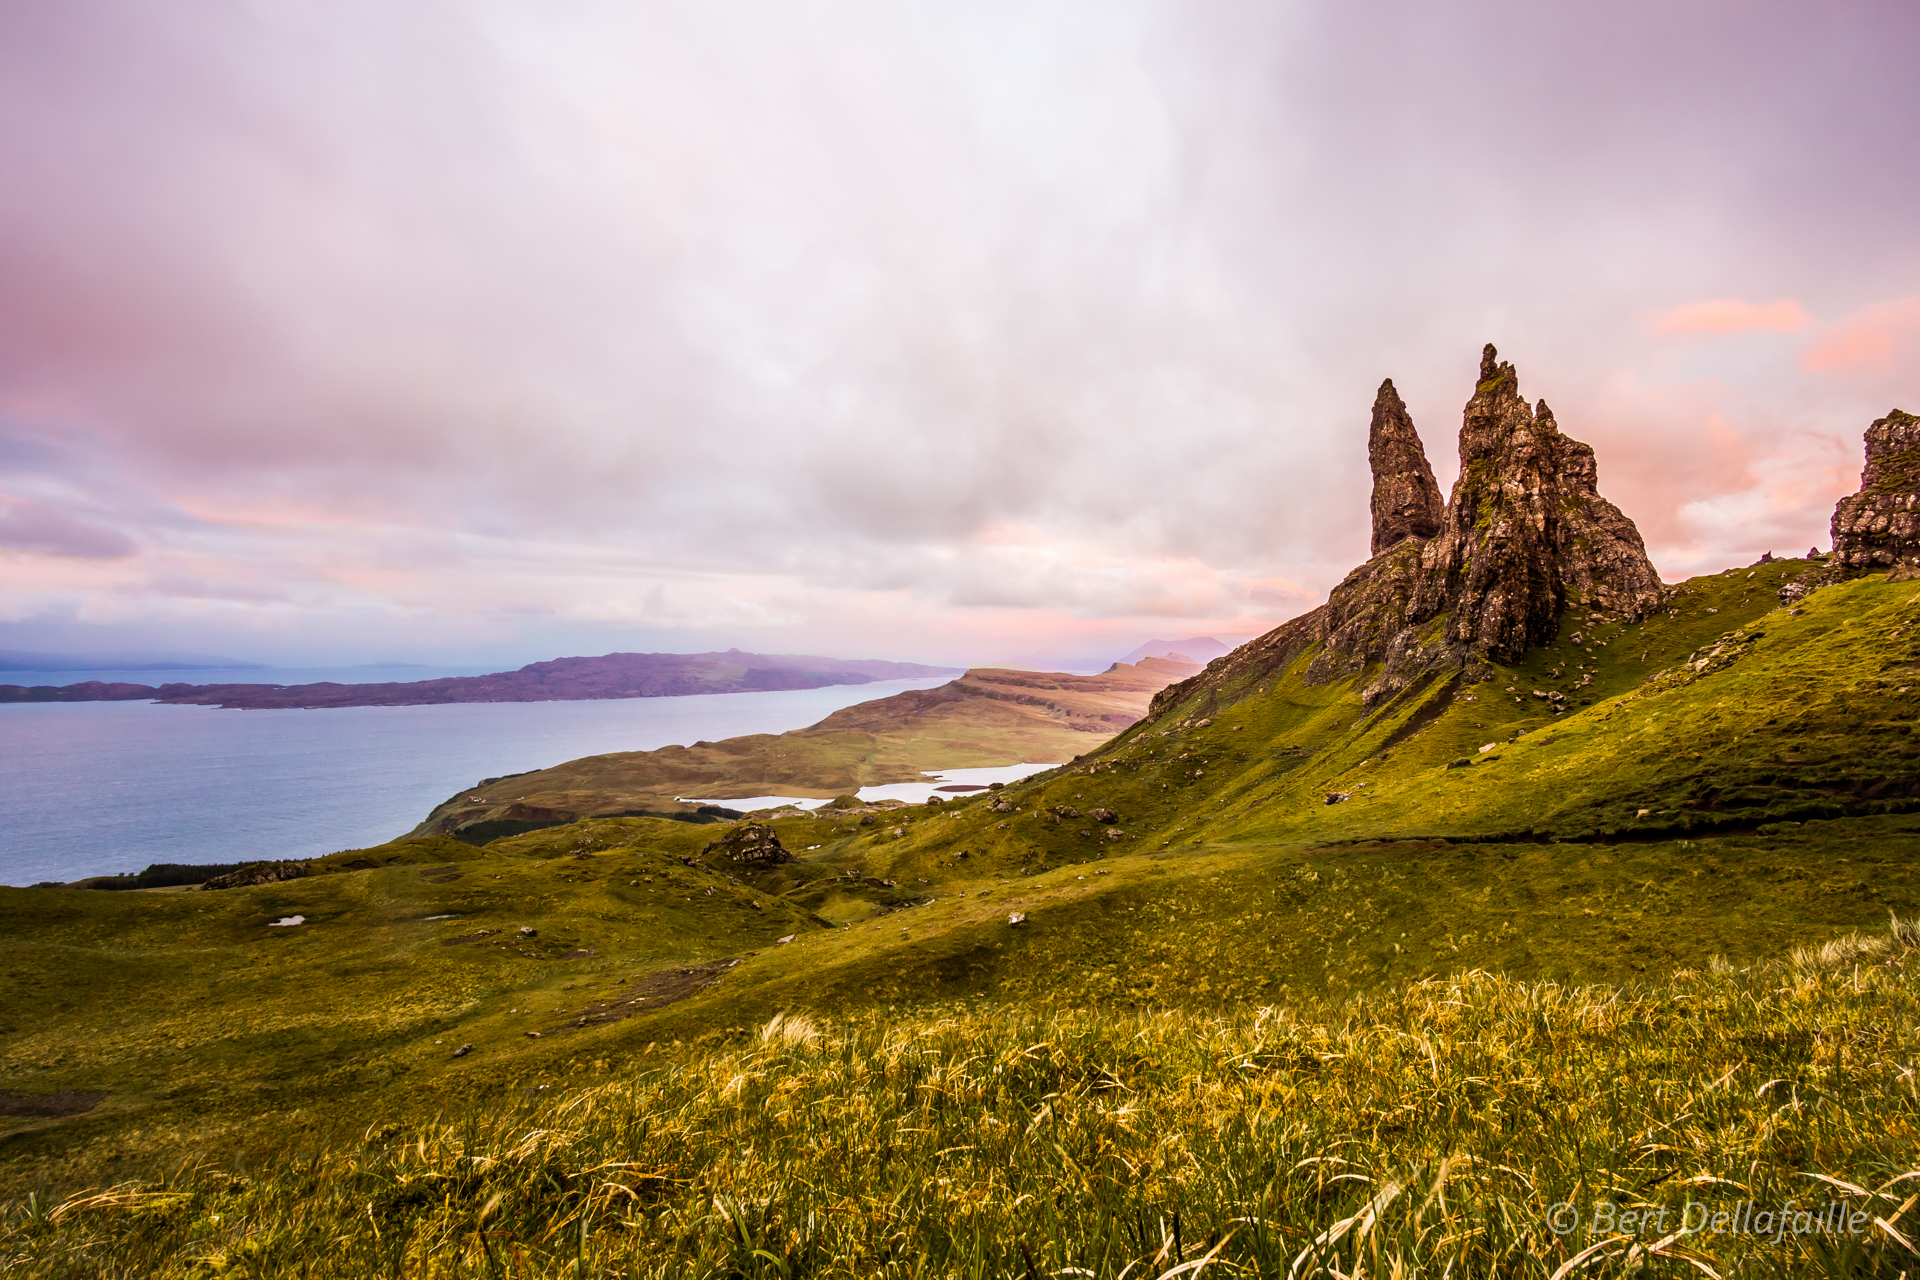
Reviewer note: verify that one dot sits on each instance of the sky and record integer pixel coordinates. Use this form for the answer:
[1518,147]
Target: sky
[468,331]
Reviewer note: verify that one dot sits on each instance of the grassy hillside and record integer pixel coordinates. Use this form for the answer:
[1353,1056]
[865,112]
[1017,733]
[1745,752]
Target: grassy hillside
[1726,713]
[1725,783]
[1477,1127]
[202,1028]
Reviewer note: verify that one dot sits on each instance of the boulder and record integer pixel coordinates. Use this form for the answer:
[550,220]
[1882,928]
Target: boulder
[1107,816]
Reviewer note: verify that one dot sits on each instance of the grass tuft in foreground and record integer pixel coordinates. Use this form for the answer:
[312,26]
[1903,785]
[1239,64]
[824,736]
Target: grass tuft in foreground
[1473,1126]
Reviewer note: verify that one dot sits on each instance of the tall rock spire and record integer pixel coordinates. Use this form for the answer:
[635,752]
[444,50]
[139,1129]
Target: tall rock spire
[1406,500]
[1526,534]
[1524,539]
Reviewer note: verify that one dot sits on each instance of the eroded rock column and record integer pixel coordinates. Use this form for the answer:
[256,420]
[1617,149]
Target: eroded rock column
[1406,498]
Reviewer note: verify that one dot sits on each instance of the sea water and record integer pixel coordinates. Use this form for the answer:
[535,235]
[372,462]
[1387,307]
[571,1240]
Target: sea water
[96,788]
[958,781]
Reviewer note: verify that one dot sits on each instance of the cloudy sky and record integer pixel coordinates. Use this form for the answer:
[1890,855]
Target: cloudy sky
[458,330]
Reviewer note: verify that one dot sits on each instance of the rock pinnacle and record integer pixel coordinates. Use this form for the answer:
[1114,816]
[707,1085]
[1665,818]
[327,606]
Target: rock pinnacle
[1406,500]
[1526,534]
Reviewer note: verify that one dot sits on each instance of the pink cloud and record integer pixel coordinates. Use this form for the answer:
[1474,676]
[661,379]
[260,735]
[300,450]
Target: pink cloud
[1730,315]
[26,525]
[1870,341]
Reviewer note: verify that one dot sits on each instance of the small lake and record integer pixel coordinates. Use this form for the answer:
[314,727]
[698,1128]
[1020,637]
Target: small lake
[95,788]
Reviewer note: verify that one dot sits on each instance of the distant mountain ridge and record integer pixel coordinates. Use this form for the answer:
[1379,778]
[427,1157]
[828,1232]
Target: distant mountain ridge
[1199,650]
[36,660]
[613,675]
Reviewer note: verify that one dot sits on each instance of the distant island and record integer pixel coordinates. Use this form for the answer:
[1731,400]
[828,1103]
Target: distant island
[613,675]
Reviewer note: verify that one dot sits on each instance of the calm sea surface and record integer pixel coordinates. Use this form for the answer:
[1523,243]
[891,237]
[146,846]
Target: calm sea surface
[94,788]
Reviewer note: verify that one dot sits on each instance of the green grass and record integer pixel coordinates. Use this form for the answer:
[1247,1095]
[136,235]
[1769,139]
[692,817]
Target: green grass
[211,1032]
[1430,1129]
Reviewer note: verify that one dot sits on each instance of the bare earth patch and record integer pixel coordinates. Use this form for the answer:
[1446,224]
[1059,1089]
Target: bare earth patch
[654,991]
[67,1102]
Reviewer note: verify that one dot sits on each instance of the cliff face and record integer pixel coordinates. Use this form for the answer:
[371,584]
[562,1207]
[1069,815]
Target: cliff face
[1879,527]
[1524,537]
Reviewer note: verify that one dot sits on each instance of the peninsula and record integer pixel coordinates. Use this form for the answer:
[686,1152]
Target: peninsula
[987,717]
[612,675]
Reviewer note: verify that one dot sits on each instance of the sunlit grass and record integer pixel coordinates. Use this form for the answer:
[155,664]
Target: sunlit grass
[1430,1129]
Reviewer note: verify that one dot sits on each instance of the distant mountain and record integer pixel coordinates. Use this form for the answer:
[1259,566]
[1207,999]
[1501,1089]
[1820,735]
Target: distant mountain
[613,675]
[24,660]
[1197,649]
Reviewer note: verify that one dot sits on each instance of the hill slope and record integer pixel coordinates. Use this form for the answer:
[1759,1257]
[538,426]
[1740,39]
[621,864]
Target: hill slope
[988,717]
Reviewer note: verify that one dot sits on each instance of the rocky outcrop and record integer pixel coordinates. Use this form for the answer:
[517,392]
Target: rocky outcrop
[1524,538]
[1406,498]
[1878,528]
[1526,534]
[754,843]
[253,873]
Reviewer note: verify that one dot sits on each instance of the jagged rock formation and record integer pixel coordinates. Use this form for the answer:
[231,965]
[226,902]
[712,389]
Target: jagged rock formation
[1879,527]
[1876,530]
[1526,534]
[1406,498]
[751,842]
[1524,537]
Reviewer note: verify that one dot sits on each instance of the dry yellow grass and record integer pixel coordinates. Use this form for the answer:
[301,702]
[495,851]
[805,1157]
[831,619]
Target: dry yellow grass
[1475,1126]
